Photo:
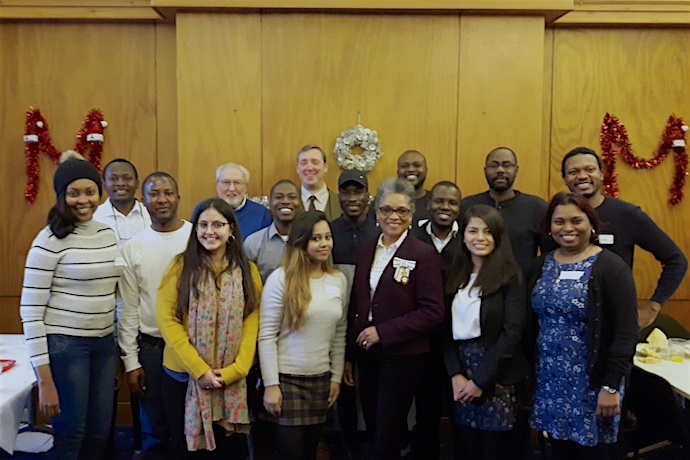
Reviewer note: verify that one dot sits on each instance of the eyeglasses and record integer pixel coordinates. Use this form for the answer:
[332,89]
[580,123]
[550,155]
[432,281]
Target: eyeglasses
[504,165]
[228,183]
[214,225]
[401,212]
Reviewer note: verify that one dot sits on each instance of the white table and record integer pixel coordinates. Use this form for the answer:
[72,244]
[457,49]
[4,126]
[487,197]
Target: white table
[15,388]
[676,374]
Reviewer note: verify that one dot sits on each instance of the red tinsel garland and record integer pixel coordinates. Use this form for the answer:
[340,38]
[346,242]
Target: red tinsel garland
[91,138]
[614,139]
[36,140]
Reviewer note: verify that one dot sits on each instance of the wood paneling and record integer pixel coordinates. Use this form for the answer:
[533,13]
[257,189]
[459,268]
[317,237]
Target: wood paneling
[319,71]
[166,99]
[500,102]
[219,100]
[642,77]
[11,322]
[65,70]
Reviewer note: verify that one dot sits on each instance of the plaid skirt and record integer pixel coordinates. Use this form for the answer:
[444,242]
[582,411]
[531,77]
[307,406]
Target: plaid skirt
[305,400]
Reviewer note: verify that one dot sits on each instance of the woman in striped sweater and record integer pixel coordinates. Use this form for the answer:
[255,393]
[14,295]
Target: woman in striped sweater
[67,307]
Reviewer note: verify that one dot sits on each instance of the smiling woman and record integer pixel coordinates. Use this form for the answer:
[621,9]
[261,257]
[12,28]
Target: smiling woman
[585,299]
[67,308]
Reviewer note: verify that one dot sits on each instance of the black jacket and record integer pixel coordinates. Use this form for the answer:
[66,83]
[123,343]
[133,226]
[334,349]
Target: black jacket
[611,319]
[502,319]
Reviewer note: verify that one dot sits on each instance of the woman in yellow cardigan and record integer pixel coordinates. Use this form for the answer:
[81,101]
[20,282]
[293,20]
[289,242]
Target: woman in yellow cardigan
[208,313]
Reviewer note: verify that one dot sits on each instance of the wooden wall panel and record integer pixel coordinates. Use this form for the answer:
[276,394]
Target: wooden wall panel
[219,100]
[500,101]
[319,71]
[11,322]
[166,99]
[641,76]
[65,70]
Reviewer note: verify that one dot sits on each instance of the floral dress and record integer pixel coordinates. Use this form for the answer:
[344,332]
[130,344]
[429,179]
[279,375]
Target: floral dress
[564,404]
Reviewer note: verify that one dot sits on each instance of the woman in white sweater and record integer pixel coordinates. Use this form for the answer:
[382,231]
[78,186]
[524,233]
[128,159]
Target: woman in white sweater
[302,337]
[67,307]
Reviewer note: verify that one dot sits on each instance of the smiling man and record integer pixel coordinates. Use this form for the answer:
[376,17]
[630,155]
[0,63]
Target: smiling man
[311,169]
[625,226]
[121,211]
[232,180]
[147,256]
[522,213]
[412,168]
[265,248]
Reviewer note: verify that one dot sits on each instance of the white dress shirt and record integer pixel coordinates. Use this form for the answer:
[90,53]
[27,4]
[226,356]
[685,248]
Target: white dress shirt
[382,257]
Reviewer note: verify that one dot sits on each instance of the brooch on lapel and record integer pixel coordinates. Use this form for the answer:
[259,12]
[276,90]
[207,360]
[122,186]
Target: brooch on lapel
[403,267]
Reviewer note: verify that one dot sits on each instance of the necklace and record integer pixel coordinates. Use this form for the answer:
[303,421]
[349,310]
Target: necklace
[117,227]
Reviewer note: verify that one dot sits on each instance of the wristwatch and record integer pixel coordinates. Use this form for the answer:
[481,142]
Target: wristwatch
[609,390]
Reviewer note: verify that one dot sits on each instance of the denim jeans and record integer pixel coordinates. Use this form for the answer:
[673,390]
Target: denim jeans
[83,370]
[154,428]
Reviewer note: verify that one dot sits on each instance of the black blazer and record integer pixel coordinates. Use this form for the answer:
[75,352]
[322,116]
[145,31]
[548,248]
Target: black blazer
[502,320]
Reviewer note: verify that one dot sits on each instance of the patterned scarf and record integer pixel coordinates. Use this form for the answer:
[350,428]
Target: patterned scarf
[215,330]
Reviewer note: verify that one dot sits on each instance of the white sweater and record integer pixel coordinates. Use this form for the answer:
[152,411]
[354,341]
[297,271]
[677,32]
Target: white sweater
[69,286]
[147,255]
[318,346]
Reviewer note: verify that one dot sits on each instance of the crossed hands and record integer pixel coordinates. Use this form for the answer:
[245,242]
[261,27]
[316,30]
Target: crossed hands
[464,390]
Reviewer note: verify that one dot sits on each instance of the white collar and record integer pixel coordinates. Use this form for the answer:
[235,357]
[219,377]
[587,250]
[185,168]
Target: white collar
[244,201]
[321,195]
[395,245]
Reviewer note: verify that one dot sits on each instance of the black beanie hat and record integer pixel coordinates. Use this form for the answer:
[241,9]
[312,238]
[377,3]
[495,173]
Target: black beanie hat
[73,167]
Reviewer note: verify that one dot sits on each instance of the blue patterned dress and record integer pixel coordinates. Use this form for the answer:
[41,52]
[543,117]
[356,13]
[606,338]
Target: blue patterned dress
[564,405]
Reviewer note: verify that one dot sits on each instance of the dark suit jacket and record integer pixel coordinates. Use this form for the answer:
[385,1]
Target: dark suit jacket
[402,313]
[502,317]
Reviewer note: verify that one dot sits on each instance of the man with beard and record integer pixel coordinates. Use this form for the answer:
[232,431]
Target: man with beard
[121,211]
[412,168]
[147,256]
[441,231]
[265,248]
[625,225]
[349,230]
[522,213]
[231,185]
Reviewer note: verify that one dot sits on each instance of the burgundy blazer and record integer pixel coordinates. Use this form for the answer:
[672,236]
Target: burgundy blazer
[402,313]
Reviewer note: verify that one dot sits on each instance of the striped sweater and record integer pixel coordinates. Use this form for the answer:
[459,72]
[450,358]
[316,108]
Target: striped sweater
[69,286]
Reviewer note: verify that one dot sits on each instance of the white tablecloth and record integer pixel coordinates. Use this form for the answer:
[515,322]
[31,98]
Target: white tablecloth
[677,374]
[15,388]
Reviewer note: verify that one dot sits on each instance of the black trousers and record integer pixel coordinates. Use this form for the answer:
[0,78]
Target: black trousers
[234,446]
[387,386]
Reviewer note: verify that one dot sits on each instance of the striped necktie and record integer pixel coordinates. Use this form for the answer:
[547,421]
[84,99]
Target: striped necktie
[312,206]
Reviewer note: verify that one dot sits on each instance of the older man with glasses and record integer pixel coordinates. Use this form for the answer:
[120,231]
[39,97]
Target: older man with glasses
[232,180]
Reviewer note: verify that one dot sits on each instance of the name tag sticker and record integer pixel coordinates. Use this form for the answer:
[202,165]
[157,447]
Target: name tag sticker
[333,290]
[571,275]
[605,238]
[120,261]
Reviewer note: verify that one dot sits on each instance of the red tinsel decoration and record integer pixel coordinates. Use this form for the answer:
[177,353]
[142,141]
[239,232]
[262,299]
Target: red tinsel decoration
[614,139]
[36,140]
[91,138]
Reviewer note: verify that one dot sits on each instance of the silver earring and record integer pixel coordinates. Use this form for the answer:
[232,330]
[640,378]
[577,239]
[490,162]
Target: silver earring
[231,239]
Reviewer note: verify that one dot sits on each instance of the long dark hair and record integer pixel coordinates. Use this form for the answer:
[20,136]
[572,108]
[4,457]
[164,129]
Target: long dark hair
[61,220]
[196,262]
[498,268]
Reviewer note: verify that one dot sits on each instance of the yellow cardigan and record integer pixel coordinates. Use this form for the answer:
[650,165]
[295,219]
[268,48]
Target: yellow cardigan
[179,354]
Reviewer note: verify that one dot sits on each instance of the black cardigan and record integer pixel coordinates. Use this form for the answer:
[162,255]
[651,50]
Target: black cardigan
[611,319]
[502,319]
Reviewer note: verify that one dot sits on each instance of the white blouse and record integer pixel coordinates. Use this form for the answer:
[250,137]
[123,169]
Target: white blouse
[465,310]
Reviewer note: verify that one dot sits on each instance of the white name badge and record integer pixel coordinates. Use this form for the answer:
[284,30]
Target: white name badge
[571,275]
[605,238]
[120,261]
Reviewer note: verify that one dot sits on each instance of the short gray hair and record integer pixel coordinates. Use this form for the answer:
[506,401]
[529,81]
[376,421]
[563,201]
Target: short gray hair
[240,168]
[395,185]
